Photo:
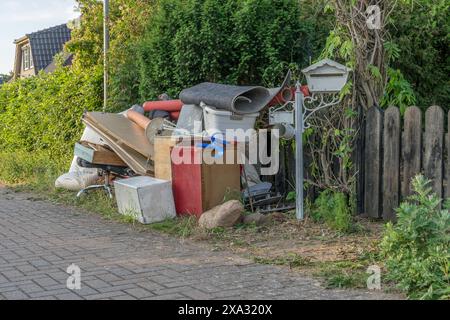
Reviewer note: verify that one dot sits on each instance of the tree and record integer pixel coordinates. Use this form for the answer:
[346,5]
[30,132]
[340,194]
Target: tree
[5,78]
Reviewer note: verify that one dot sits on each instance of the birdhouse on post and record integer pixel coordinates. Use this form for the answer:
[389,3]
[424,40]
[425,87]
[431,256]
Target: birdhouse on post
[326,76]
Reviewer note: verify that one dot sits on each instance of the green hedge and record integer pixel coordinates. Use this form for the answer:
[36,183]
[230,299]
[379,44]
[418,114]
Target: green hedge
[42,115]
[239,42]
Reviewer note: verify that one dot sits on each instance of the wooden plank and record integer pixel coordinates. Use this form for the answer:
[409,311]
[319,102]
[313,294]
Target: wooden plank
[122,130]
[391,163]
[434,147]
[411,148]
[447,164]
[105,156]
[358,159]
[137,162]
[372,181]
[162,158]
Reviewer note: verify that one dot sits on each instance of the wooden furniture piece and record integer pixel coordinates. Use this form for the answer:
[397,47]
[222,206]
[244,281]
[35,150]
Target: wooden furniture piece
[163,162]
[200,187]
[97,154]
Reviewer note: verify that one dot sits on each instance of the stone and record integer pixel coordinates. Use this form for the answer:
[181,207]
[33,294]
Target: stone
[257,218]
[225,215]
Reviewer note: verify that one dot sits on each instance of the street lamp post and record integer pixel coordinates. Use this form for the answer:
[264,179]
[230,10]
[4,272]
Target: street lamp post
[105,53]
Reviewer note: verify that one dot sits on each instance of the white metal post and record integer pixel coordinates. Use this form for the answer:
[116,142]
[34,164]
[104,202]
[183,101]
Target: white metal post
[299,152]
[105,53]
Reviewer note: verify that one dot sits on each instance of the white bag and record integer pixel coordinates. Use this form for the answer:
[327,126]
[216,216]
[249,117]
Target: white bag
[79,178]
[75,181]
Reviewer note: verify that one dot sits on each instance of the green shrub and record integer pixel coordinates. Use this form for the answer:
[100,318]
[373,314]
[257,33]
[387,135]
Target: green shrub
[167,45]
[417,247]
[333,209]
[40,120]
[239,42]
[420,32]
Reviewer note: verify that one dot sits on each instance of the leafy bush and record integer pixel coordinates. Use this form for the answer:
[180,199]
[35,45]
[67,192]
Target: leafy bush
[168,45]
[40,118]
[398,92]
[420,31]
[242,42]
[417,248]
[333,209]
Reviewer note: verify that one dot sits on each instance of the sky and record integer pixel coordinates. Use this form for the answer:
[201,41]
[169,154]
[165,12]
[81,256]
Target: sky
[19,17]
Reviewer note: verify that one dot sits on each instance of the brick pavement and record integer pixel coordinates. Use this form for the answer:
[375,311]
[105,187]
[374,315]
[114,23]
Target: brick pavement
[39,240]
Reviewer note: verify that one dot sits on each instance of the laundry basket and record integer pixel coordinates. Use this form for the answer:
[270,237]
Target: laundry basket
[219,121]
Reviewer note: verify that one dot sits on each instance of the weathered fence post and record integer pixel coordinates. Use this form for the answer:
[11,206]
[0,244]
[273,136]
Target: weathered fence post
[411,148]
[391,163]
[372,181]
[447,165]
[358,156]
[433,155]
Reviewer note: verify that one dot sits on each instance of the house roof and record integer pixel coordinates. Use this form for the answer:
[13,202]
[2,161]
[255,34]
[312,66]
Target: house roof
[45,44]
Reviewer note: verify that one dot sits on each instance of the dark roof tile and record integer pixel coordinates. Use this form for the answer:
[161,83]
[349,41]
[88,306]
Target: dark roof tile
[45,44]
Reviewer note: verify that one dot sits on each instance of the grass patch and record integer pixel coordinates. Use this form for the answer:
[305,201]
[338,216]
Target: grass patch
[292,260]
[30,168]
[333,209]
[343,274]
[182,227]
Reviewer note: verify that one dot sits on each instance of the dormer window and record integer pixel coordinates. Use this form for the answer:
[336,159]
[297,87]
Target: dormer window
[27,60]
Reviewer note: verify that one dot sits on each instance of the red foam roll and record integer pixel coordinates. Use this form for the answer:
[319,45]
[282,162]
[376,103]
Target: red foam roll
[168,105]
[175,115]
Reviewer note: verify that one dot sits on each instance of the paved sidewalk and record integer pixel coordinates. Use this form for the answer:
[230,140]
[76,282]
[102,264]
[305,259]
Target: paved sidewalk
[39,240]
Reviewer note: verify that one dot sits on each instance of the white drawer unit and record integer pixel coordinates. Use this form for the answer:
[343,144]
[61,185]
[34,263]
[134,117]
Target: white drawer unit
[146,199]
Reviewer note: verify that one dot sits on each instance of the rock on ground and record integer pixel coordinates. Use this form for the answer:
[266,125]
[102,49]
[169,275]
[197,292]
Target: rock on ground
[225,215]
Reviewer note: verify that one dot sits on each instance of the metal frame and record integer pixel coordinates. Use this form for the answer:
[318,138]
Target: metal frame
[288,107]
[106,186]
[305,107]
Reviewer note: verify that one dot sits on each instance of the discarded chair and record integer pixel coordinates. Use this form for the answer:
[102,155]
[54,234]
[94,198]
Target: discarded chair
[106,172]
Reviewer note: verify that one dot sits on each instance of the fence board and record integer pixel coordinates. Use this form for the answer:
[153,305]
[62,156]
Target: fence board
[447,163]
[433,155]
[372,181]
[391,163]
[358,156]
[411,148]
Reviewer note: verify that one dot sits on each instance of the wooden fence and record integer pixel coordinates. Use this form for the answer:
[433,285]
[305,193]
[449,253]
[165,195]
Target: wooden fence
[394,153]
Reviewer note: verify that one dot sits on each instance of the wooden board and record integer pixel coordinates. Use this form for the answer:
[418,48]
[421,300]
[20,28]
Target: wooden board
[447,164]
[137,162]
[391,163]
[434,148]
[162,157]
[372,179]
[411,148]
[219,182]
[122,130]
